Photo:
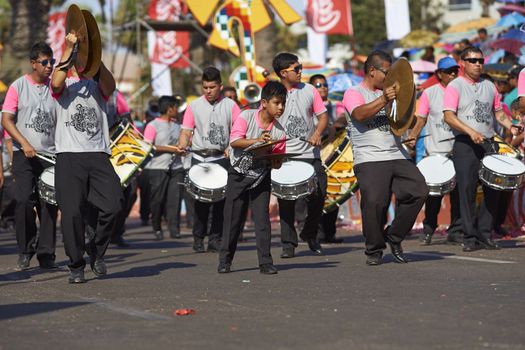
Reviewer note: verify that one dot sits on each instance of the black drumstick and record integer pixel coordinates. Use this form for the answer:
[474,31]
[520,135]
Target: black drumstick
[413,139]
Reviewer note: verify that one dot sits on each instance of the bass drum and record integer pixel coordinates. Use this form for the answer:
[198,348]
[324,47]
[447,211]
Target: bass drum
[338,162]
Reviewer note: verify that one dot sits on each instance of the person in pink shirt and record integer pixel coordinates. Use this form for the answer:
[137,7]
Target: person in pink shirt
[470,107]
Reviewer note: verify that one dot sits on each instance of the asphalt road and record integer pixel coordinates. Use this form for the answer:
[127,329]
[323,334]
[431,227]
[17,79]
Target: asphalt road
[442,299]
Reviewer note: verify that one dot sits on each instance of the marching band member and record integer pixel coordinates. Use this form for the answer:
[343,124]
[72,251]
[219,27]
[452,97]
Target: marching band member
[303,105]
[83,171]
[381,165]
[430,113]
[28,116]
[207,122]
[250,180]
[470,105]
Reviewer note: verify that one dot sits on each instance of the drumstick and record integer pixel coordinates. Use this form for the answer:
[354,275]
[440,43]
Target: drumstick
[413,139]
[449,139]
[49,160]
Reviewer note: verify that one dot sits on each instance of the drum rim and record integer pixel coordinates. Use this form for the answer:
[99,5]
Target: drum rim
[483,166]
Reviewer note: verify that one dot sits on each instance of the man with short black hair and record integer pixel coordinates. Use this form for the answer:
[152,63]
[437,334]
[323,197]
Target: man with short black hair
[28,116]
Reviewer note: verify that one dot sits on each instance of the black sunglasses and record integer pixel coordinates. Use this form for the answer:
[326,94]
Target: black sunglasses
[46,62]
[453,70]
[318,85]
[296,69]
[474,60]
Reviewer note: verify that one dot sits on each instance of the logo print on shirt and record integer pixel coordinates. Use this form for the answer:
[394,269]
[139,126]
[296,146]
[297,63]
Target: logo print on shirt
[380,122]
[216,134]
[295,127]
[42,122]
[482,112]
[85,120]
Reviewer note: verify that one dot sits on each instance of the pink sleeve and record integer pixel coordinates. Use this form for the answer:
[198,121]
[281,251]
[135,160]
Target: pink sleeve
[521,83]
[280,148]
[6,135]
[11,101]
[188,121]
[149,133]
[339,108]
[497,99]
[352,99]
[122,105]
[423,105]
[451,99]
[235,113]
[238,129]
[318,106]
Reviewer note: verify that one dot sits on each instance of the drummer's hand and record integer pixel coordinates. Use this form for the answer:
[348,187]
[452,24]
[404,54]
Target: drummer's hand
[516,129]
[315,139]
[276,163]
[178,150]
[390,93]
[227,153]
[29,150]
[412,142]
[265,137]
[476,137]
[71,40]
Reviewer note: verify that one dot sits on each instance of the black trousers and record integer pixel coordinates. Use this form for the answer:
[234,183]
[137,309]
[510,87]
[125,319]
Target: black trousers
[143,185]
[315,203]
[165,198]
[188,202]
[328,225]
[377,181]
[432,208]
[202,212]
[238,195]
[82,178]
[477,223]
[129,194]
[26,172]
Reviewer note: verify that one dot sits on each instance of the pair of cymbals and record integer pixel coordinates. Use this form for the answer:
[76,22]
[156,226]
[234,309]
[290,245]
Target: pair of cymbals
[89,50]
[401,76]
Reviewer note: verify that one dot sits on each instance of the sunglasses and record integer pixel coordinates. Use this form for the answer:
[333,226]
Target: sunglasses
[296,69]
[46,62]
[474,60]
[385,72]
[318,85]
[451,71]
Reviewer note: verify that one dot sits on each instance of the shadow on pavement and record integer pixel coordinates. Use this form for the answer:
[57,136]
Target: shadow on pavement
[11,311]
[146,271]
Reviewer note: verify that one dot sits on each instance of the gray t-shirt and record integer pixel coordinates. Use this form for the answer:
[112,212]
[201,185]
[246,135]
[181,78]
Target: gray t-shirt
[82,124]
[303,105]
[33,108]
[430,105]
[211,124]
[162,132]
[248,126]
[474,104]
[372,140]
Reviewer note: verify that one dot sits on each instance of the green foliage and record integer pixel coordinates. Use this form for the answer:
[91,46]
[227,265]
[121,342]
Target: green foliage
[369,24]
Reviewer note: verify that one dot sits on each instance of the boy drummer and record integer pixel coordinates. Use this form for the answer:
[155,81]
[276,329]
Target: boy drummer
[249,179]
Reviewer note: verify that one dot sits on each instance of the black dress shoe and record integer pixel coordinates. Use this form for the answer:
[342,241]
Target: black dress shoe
[288,253]
[471,247]
[77,276]
[214,246]
[489,244]
[397,251]
[374,259]
[175,235]
[24,261]
[224,268]
[98,266]
[120,242]
[427,239]
[159,235]
[48,264]
[267,269]
[315,246]
[454,240]
[198,245]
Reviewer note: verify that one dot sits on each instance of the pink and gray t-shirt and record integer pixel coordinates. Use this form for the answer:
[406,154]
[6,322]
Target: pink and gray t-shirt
[372,140]
[33,108]
[303,105]
[430,107]
[474,104]
[82,124]
[210,123]
[161,132]
[248,126]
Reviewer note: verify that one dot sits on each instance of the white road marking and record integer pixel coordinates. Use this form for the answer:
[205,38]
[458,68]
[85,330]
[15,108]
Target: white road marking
[467,258]
[128,310]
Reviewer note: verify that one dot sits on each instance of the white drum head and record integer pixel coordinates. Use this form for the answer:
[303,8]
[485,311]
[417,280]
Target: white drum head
[48,176]
[292,172]
[208,175]
[437,169]
[502,164]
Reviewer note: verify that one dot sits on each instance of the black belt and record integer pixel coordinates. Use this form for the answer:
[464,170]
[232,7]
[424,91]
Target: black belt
[205,153]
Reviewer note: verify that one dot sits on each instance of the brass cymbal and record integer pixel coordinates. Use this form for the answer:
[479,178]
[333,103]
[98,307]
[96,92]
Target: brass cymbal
[76,24]
[260,145]
[95,46]
[401,76]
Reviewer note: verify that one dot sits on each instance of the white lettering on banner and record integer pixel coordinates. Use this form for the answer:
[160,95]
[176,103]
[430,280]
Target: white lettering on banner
[324,16]
[167,51]
[168,10]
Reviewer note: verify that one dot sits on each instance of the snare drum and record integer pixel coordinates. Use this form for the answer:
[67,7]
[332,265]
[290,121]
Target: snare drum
[206,182]
[293,180]
[46,185]
[129,151]
[502,172]
[439,173]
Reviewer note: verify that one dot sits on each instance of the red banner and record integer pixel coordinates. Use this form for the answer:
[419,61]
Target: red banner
[168,47]
[330,16]
[56,33]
